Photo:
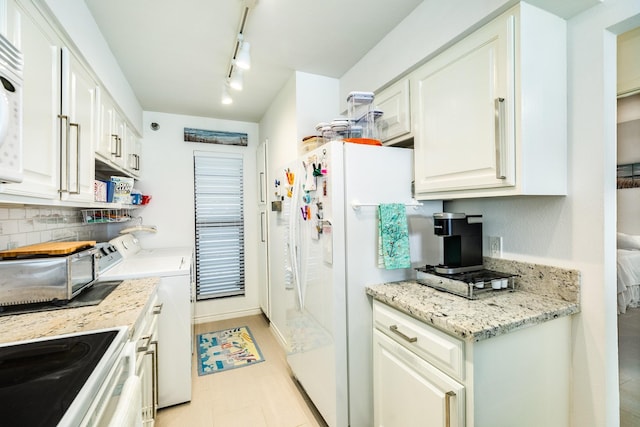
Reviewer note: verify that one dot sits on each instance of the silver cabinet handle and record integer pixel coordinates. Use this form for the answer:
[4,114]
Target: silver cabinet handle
[115,139]
[157,309]
[262,227]
[394,329]
[154,383]
[145,347]
[262,187]
[67,145]
[77,126]
[500,138]
[447,407]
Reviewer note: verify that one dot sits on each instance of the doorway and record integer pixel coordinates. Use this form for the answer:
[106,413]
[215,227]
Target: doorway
[628,227]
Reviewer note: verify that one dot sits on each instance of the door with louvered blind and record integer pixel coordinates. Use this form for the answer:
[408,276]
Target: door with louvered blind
[219,222]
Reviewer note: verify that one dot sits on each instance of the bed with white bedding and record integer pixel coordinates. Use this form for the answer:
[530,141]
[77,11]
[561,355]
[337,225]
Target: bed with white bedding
[628,267]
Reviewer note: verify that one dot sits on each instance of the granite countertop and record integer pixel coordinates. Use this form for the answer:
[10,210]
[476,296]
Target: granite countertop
[472,320]
[121,308]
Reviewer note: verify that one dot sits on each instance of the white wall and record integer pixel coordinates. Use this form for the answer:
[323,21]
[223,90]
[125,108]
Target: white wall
[167,175]
[577,231]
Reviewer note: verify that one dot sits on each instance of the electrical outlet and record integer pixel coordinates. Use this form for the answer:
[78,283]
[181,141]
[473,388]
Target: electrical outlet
[495,246]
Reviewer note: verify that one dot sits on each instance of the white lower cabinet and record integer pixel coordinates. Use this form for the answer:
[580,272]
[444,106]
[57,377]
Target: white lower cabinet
[425,377]
[411,392]
[147,349]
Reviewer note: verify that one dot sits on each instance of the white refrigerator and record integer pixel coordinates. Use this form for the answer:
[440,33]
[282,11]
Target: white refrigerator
[328,227]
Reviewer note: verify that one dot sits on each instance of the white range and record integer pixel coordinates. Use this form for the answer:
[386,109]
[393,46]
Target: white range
[174,267]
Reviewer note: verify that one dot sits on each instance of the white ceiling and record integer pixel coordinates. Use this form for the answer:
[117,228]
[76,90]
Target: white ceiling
[175,54]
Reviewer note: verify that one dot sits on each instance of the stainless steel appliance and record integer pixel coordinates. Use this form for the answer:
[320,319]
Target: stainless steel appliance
[462,241]
[44,273]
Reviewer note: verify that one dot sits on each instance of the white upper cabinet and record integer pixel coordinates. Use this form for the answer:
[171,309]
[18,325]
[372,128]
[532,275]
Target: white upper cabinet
[134,151]
[41,105]
[118,146]
[629,62]
[394,102]
[490,112]
[79,118]
[65,122]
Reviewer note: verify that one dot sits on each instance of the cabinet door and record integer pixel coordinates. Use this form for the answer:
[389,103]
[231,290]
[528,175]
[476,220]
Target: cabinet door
[106,142]
[629,62]
[79,131]
[133,149]
[263,245]
[394,103]
[408,391]
[464,100]
[41,106]
[119,154]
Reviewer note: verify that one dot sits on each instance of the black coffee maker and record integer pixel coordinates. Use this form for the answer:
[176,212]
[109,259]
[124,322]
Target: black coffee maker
[462,237]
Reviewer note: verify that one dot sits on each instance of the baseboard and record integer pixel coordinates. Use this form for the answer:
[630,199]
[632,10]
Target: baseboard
[227,315]
[279,337]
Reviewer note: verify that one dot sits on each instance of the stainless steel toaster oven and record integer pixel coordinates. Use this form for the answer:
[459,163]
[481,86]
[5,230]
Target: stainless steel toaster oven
[47,278]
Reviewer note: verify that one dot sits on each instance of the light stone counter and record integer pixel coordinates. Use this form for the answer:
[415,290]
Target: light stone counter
[472,320]
[122,307]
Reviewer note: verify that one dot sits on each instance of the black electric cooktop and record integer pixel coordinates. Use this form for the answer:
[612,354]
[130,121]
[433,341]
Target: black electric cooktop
[40,380]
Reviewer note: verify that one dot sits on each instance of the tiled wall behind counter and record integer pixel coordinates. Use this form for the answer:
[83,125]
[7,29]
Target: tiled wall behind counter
[20,226]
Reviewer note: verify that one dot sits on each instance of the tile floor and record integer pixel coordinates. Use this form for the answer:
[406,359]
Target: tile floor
[257,396]
[629,359]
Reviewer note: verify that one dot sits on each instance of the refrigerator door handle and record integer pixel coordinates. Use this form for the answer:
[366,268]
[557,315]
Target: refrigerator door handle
[294,239]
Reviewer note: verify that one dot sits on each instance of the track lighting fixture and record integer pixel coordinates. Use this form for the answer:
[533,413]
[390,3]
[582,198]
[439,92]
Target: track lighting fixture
[236,79]
[243,57]
[226,97]
[240,59]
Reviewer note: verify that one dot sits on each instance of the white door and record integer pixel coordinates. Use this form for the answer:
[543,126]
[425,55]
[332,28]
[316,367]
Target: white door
[264,292]
[464,107]
[409,392]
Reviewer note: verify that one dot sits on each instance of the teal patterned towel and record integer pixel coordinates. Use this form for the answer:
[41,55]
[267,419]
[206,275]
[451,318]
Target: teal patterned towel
[393,237]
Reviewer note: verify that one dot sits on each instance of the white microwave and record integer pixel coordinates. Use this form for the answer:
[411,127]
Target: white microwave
[11,66]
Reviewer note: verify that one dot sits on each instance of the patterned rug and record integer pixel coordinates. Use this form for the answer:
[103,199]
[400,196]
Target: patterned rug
[227,349]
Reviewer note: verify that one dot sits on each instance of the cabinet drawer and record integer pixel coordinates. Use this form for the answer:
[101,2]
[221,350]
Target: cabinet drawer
[440,349]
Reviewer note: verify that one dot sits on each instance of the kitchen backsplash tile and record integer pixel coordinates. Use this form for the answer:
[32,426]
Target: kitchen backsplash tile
[548,281]
[22,226]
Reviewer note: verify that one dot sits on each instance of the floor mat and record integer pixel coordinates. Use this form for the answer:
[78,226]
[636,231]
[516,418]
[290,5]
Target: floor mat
[227,349]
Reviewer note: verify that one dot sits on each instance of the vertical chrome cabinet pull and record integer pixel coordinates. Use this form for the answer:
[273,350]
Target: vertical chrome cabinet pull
[77,126]
[119,148]
[67,144]
[447,407]
[262,199]
[394,329]
[115,139]
[500,138]
[262,227]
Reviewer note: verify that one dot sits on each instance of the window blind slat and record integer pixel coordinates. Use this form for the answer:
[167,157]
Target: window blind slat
[219,217]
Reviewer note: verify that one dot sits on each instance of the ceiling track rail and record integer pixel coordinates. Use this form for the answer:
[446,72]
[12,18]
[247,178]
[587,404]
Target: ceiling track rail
[243,21]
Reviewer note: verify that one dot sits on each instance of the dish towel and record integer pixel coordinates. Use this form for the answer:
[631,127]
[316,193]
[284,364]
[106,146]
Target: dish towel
[393,237]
